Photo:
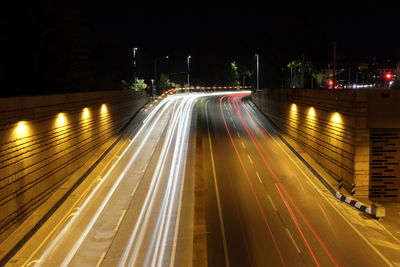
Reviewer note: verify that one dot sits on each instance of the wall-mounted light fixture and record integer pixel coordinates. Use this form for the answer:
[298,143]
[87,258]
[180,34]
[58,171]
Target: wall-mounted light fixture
[85,114]
[21,130]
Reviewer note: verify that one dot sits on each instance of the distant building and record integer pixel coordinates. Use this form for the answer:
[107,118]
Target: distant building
[322,77]
[360,75]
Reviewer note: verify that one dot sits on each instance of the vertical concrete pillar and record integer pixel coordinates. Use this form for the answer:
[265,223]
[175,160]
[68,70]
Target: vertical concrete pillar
[361,163]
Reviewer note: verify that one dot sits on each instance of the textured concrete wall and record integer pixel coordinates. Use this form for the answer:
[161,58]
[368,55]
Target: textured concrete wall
[333,126]
[45,139]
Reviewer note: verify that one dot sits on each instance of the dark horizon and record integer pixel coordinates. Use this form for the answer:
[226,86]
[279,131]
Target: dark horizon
[53,48]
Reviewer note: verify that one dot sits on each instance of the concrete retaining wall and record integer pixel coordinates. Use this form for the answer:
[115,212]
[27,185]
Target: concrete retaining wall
[45,139]
[334,127]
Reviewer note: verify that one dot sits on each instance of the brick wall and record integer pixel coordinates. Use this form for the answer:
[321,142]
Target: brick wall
[45,139]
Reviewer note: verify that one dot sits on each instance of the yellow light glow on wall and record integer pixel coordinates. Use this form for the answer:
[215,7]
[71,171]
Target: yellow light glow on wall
[85,114]
[104,109]
[61,120]
[21,130]
[311,121]
[293,119]
[311,112]
[336,130]
[336,118]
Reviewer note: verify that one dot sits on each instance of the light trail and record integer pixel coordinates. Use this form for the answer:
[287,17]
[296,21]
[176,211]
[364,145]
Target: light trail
[163,198]
[266,223]
[147,208]
[262,152]
[106,199]
[65,229]
[176,144]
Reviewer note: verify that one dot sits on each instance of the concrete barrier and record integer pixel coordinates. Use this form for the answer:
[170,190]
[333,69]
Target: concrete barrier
[46,139]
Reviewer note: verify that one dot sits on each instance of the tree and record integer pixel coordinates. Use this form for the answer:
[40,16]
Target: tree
[164,83]
[139,85]
[234,74]
[246,75]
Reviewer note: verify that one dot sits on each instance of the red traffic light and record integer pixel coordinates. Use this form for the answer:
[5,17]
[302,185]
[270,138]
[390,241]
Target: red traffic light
[330,82]
[388,76]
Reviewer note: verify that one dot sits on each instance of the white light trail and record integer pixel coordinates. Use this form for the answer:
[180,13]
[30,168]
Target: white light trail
[65,229]
[165,188]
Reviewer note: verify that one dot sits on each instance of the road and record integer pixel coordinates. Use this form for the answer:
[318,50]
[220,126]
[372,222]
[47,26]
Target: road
[265,208]
[137,208]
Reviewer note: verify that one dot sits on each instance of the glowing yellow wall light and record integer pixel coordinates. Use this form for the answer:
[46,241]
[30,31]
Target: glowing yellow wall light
[336,118]
[293,117]
[293,108]
[61,120]
[85,113]
[21,130]
[311,112]
[104,109]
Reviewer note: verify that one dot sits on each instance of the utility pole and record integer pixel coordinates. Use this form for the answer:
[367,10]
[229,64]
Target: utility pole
[291,76]
[153,89]
[188,69]
[134,63]
[349,83]
[258,72]
[334,65]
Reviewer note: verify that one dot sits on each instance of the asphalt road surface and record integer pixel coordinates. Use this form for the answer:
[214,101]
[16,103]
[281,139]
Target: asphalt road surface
[137,208]
[265,208]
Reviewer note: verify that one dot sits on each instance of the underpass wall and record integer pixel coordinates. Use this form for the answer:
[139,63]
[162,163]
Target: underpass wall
[333,127]
[45,139]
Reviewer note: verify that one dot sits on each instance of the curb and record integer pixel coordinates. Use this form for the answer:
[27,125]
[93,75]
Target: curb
[374,209]
[353,202]
[342,197]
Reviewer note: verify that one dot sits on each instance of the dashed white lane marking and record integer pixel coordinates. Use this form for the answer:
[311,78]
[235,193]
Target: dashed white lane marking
[332,204]
[101,259]
[221,220]
[32,262]
[134,189]
[243,145]
[293,241]
[238,134]
[120,220]
[272,203]
[258,176]
[250,158]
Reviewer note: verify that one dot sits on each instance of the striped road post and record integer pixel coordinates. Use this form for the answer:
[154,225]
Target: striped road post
[340,184]
[353,189]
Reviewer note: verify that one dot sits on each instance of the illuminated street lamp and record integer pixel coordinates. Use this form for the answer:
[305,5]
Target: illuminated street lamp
[134,63]
[153,88]
[188,69]
[258,68]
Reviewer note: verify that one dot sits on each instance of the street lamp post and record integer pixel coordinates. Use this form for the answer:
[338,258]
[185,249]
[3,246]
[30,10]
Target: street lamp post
[188,69]
[155,69]
[258,72]
[134,63]
[291,76]
[153,88]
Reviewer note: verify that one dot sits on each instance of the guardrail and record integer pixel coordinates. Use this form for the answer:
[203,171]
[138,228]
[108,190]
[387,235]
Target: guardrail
[212,87]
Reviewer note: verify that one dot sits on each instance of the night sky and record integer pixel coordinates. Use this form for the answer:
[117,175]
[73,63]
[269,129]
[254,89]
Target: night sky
[53,47]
